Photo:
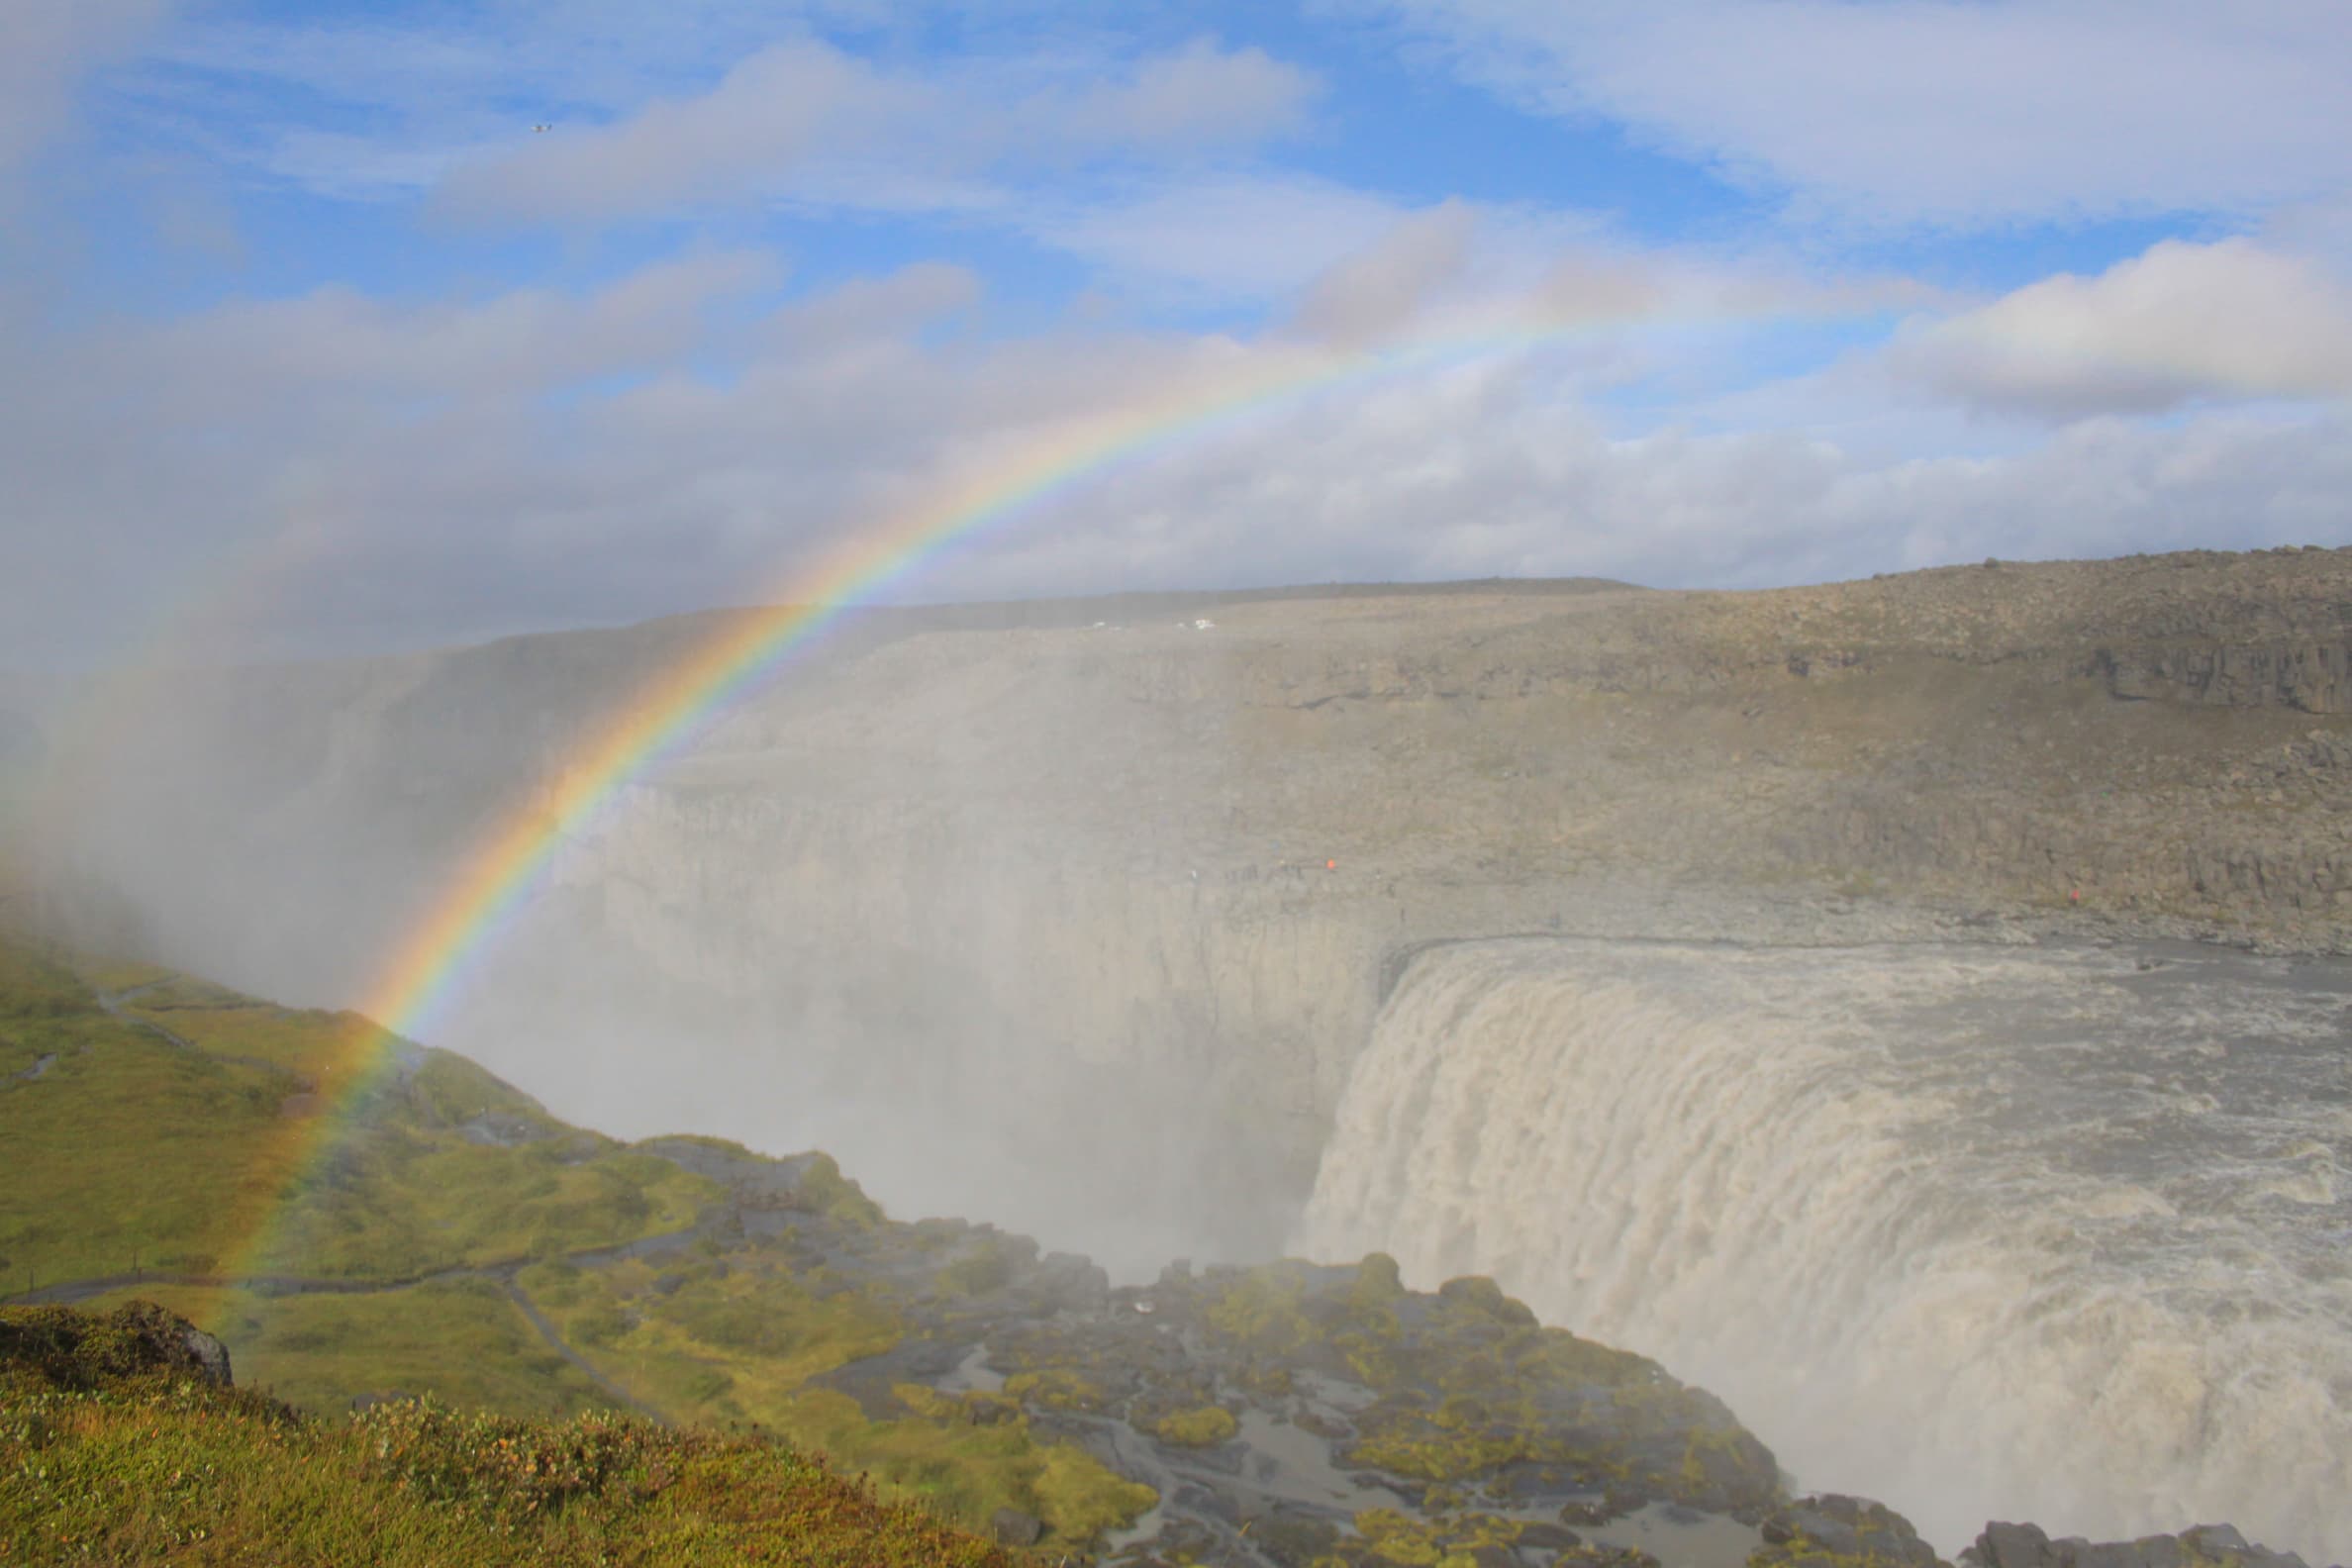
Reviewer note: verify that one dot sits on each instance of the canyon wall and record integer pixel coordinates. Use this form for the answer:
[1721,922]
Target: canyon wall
[1126,876]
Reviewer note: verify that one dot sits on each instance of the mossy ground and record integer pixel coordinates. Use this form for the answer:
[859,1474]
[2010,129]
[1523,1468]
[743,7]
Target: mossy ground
[102,1464]
[462,1344]
[441,1234]
[132,1152]
[194,1148]
[738,1339]
[125,1151]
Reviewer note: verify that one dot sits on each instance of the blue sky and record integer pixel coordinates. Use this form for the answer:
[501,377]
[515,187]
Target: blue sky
[312,341]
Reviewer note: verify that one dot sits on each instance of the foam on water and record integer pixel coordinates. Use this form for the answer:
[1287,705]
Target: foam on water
[1982,1233]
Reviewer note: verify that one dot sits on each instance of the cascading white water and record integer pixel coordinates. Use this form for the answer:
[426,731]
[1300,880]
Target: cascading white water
[1982,1233]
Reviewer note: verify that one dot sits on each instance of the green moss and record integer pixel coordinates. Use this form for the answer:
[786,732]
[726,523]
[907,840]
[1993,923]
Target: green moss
[117,1105]
[399,1201]
[1378,1283]
[779,1321]
[317,1048]
[1459,1541]
[400,1194]
[1204,1427]
[987,1267]
[34,986]
[1262,1311]
[552,1284]
[824,1189]
[1058,1387]
[969,1471]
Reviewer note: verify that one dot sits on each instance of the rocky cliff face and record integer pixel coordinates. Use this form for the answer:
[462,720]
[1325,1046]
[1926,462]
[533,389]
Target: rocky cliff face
[1139,865]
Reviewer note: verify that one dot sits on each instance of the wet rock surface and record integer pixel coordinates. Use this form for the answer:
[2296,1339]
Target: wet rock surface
[1852,1532]
[1162,866]
[1295,1413]
[1285,1413]
[2005,1545]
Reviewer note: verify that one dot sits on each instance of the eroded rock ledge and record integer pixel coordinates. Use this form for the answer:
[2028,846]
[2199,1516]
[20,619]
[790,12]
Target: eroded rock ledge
[1295,1413]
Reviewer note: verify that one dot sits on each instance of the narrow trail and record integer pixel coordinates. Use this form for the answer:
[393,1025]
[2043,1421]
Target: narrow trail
[112,1003]
[74,1292]
[68,1293]
[588,1369]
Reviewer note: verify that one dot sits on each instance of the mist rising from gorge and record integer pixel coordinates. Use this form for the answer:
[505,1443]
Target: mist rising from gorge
[1084,924]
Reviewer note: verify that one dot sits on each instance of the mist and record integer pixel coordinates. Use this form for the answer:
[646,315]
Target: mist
[1125,923]
[1697,658]
[952,922]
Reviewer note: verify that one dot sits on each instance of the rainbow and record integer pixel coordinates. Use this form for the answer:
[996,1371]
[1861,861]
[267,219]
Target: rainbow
[462,923]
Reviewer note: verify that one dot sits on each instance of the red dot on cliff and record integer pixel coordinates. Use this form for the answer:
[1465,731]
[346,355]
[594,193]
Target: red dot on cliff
[1331,865]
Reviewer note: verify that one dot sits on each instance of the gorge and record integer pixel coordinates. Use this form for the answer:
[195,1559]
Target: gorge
[1836,993]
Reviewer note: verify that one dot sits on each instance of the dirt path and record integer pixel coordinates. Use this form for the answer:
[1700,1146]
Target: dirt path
[112,1001]
[67,1292]
[588,1369]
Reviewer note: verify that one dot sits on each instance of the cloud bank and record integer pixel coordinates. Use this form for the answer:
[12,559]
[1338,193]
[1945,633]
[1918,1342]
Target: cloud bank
[328,349]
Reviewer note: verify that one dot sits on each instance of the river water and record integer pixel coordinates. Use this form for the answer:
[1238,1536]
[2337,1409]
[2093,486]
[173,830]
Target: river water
[2061,1235]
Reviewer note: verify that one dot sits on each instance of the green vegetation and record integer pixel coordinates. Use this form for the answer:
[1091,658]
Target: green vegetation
[1395,1537]
[112,1450]
[117,1105]
[1481,1387]
[399,1191]
[659,1333]
[724,1340]
[1204,1427]
[462,1344]
[306,1146]
[966,1472]
[987,1267]
[364,1221]
[837,1194]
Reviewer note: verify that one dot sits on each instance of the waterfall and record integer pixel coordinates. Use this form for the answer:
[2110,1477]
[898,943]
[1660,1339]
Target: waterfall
[1982,1233]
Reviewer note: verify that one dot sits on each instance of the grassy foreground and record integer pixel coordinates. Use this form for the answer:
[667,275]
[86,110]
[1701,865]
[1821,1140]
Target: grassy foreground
[115,1448]
[447,1238]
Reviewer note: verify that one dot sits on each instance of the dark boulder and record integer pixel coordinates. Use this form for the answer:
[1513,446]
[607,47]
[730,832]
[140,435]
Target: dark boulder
[1848,1531]
[2203,1547]
[76,1350]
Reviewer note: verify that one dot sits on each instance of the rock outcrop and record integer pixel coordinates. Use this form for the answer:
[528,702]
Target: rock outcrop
[2205,1547]
[78,1350]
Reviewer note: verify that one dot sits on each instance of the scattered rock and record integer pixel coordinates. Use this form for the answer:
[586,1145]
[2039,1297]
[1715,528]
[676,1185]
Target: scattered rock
[1012,1528]
[1851,1533]
[2005,1545]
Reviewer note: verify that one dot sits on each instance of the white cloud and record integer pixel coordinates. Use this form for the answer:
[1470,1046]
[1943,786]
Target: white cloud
[748,136]
[44,47]
[1944,111]
[1199,96]
[335,347]
[1380,289]
[537,460]
[806,121]
[2183,320]
[1252,236]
